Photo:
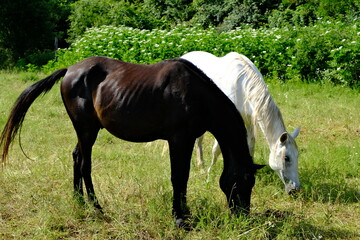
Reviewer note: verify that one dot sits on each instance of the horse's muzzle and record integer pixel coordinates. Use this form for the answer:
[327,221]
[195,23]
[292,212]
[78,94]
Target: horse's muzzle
[292,188]
[294,191]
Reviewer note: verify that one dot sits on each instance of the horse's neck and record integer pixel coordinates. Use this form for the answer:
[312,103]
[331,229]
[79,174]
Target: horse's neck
[229,130]
[272,129]
[258,102]
[233,143]
[266,114]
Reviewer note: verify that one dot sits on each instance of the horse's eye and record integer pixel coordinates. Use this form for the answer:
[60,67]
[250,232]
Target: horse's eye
[287,159]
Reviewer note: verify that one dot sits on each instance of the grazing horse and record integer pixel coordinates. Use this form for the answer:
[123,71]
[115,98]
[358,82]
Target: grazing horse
[243,83]
[171,100]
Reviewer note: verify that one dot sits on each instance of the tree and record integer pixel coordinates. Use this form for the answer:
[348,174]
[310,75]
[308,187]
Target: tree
[28,27]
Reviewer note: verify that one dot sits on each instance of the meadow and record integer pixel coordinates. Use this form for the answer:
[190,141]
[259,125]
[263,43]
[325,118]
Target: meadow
[132,180]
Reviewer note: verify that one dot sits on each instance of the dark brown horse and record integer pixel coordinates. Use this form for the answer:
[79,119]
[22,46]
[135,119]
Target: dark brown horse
[171,100]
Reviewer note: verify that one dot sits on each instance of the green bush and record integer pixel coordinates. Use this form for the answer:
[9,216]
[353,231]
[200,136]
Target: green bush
[328,51]
[135,45]
[148,14]
[29,27]
[325,51]
[34,61]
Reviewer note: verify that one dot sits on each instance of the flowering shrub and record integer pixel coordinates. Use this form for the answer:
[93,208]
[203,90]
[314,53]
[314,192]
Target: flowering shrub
[326,51]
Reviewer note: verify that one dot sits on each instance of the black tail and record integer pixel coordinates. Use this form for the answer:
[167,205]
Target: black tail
[22,105]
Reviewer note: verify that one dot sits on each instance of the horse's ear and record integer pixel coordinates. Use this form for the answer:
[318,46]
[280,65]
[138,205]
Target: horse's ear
[296,132]
[283,137]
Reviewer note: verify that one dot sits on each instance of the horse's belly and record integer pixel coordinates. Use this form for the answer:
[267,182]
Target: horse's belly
[133,129]
[142,126]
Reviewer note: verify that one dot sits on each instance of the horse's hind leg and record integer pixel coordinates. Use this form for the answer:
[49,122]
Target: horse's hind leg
[78,188]
[86,139]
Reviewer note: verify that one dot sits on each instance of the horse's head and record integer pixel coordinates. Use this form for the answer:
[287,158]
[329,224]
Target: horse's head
[283,159]
[237,187]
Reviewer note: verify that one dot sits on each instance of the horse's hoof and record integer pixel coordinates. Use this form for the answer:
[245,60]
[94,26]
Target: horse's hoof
[179,223]
[99,210]
[182,224]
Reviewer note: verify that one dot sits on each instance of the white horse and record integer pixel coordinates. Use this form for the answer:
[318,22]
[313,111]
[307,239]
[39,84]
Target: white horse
[243,83]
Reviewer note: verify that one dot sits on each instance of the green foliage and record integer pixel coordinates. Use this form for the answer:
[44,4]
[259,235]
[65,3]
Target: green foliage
[34,25]
[89,13]
[225,15]
[335,9]
[29,27]
[169,11]
[135,45]
[304,13]
[326,51]
[5,58]
[33,61]
[288,17]
[25,29]
[93,13]
[230,14]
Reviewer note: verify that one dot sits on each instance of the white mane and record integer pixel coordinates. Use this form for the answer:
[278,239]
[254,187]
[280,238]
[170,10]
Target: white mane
[265,111]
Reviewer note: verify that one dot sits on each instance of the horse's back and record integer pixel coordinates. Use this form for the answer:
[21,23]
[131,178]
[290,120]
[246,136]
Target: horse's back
[132,101]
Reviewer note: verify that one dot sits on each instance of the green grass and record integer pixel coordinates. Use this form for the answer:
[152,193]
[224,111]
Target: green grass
[132,180]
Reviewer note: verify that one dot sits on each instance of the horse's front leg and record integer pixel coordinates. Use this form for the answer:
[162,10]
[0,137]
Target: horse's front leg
[180,157]
[215,154]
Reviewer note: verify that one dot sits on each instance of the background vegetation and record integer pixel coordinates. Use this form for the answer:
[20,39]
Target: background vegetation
[291,53]
[313,40]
